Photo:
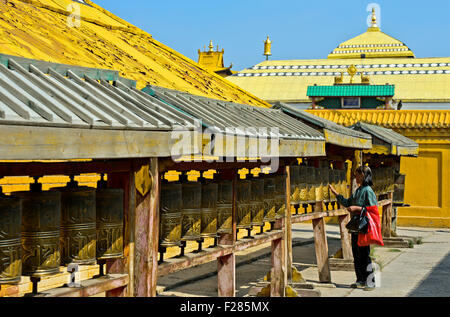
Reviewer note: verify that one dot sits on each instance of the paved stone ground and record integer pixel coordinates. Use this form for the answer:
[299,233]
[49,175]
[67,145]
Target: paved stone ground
[421,271]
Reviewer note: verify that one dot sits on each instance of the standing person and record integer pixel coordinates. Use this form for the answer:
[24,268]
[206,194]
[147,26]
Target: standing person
[363,197]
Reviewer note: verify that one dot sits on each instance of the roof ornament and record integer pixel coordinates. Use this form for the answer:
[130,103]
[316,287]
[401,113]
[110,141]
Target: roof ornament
[211,46]
[374,18]
[267,48]
[352,70]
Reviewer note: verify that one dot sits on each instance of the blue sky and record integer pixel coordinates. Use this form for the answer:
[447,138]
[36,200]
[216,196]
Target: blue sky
[298,29]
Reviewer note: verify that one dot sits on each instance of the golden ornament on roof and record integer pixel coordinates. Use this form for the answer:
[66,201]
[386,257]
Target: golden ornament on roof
[267,47]
[352,70]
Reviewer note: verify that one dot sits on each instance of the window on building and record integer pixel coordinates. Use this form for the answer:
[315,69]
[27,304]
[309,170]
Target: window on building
[351,102]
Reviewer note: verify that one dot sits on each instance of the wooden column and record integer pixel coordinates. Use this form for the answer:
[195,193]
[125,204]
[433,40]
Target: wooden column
[278,272]
[288,225]
[124,265]
[346,239]
[226,265]
[387,218]
[321,246]
[141,234]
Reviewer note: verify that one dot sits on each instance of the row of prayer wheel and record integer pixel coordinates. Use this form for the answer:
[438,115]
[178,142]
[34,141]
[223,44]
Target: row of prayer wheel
[310,184]
[195,210]
[383,179]
[41,230]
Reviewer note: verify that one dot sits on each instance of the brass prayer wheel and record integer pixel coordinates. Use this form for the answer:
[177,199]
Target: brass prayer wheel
[244,207]
[325,181]
[209,209]
[343,178]
[225,207]
[311,176]
[256,199]
[78,224]
[269,199]
[318,183]
[41,222]
[191,211]
[170,214]
[295,183]
[10,239]
[332,182]
[280,196]
[109,221]
[303,184]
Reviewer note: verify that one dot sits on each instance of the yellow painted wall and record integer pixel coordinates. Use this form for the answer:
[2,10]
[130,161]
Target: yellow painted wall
[427,186]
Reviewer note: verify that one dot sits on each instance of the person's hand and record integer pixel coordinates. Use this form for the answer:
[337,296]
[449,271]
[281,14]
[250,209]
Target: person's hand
[354,209]
[333,190]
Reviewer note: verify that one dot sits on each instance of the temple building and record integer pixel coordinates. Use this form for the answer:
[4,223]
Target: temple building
[377,79]
[213,61]
[420,83]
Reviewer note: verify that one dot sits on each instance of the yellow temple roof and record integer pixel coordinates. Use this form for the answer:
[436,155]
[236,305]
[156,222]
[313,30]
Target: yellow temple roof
[415,80]
[382,58]
[372,44]
[395,119]
[40,29]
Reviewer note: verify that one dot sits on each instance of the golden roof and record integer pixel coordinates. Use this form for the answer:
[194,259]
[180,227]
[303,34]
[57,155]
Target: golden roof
[39,29]
[372,44]
[415,79]
[213,60]
[395,119]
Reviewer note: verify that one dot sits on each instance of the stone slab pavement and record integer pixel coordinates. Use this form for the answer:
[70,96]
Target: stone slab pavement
[421,271]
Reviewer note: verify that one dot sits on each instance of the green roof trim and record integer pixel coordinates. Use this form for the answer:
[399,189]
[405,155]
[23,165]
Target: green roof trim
[351,91]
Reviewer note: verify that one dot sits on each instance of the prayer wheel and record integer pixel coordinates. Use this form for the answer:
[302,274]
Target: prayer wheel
[41,222]
[191,212]
[325,174]
[295,184]
[332,182]
[303,184]
[280,196]
[225,207]
[256,199]
[269,199]
[109,221]
[78,224]
[318,183]
[10,239]
[343,177]
[311,176]
[170,214]
[244,207]
[209,209]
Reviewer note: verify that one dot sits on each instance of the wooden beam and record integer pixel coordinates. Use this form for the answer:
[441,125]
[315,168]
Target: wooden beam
[69,168]
[226,265]
[387,217]
[153,232]
[89,287]
[288,225]
[64,143]
[346,240]
[321,247]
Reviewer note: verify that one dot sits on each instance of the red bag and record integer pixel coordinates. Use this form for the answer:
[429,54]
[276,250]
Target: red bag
[373,235]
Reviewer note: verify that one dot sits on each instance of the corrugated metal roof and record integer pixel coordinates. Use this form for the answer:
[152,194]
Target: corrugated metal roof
[29,96]
[341,135]
[223,115]
[400,145]
[351,91]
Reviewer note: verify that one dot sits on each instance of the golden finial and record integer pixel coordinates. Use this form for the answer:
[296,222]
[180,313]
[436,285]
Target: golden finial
[211,46]
[352,70]
[267,47]
[374,18]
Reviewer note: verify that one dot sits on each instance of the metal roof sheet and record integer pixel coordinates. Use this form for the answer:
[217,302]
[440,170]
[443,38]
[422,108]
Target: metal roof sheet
[400,145]
[351,91]
[223,115]
[31,96]
[340,135]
